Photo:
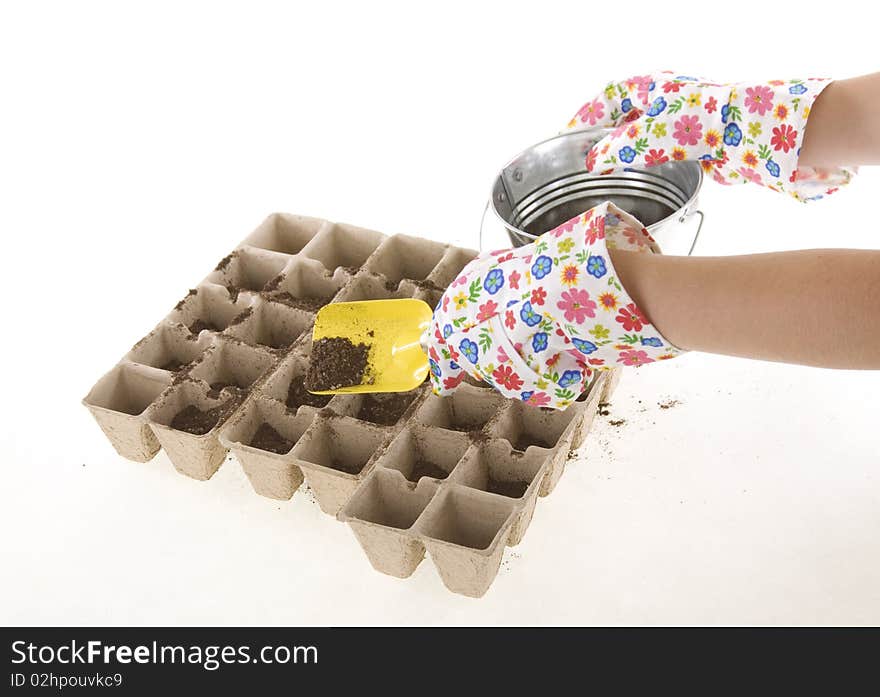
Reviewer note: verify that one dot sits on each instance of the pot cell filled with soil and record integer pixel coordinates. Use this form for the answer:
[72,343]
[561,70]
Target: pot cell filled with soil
[420,452]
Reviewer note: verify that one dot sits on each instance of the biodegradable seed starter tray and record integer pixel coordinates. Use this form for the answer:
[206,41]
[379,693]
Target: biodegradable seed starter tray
[409,472]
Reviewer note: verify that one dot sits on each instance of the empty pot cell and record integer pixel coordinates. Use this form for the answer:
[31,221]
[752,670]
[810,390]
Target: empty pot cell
[370,287]
[340,444]
[231,366]
[185,420]
[343,245]
[524,426]
[467,409]
[168,347]
[379,409]
[208,308]
[306,285]
[464,531]
[248,269]
[380,512]
[420,452]
[270,324]
[261,437]
[451,265]
[285,233]
[402,256]
[117,402]
[494,468]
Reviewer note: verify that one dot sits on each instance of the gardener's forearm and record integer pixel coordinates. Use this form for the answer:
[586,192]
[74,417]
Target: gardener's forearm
[814,307]
[844,124]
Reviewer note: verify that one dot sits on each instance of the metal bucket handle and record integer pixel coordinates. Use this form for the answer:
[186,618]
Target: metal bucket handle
[682,219]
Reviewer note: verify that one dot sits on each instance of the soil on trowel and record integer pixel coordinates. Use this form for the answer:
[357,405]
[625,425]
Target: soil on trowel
[423,468]
[385,411]
[337,362]
[512,490]
[200,325]
[298,395]
[267,438]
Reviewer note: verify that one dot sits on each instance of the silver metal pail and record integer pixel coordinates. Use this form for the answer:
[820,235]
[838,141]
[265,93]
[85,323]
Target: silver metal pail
[547,184]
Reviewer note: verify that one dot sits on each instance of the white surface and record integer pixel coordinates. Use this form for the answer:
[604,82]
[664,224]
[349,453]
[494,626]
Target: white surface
[139,145]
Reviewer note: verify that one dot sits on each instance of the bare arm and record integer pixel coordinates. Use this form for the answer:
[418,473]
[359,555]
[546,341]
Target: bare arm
[842,128]
[816,307]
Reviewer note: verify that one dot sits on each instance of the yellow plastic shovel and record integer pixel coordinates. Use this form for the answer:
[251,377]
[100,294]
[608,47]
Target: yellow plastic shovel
[392,329]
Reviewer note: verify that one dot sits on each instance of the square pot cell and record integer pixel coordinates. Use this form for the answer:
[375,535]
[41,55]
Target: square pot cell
[168,347]
[401,256]
[451,265]
[306,285]
[208,308]
[467,409]
[379,409]
[248,268]
[367,286]
[340,444]
[419,452]
[265,425]
[229,364]
[286,384]
[467,518]
[127,389]
[285,233]
[387,499]
[270,324]
[524,427]
[188,407]
[117,402]
[494,468]
[343,245]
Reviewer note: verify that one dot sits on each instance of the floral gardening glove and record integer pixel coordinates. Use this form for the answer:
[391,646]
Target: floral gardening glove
[535,321]
[742,132]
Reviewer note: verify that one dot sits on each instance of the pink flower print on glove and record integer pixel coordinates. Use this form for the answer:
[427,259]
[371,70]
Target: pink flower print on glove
[739,132]
[535,322]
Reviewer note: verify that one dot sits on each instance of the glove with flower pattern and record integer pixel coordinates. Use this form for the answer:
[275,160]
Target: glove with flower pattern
[535,321]
[742,132]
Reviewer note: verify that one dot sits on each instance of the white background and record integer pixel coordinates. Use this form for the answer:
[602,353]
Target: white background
[140,141]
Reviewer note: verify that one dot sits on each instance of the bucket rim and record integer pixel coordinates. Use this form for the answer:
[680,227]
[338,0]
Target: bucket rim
[600,132]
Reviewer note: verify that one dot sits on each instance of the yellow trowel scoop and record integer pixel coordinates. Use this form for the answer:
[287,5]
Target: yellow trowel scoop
[392,329]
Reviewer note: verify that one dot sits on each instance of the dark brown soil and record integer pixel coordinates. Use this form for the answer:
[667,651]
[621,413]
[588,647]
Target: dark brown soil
[669,403]
[337,362]
[617,422]
[298,395]
[233,293]
[512,490]
[200,325]
[423,468]
[525,440]
[224,262]
[384,411]
[241,316]
[195,421]
[173,365]
[192,292]
[273,283]
[603,408]
[267,438]
[308,304]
